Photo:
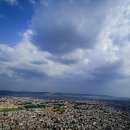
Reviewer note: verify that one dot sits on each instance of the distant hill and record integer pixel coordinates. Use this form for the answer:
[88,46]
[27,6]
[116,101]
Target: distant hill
[49,95]
[21,93]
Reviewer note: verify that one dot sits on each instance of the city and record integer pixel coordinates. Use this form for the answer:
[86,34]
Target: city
[27,113]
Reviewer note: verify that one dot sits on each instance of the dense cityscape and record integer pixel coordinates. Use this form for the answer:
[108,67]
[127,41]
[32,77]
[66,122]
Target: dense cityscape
[26,113]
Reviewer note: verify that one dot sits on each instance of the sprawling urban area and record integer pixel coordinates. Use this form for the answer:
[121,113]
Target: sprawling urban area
[26,113]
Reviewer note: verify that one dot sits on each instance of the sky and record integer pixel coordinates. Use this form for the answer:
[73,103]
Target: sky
[70,46]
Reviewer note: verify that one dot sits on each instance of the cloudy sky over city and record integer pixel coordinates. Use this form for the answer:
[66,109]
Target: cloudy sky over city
[75,46]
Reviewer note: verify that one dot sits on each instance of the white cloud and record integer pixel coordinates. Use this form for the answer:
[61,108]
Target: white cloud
[117,35]
[26,56]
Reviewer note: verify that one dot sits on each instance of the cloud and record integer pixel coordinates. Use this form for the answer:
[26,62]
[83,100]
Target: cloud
[64,26]
[24,58]
[72,47]
[107,72]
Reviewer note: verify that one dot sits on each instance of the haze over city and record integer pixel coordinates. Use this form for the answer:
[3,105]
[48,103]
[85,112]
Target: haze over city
[71,46]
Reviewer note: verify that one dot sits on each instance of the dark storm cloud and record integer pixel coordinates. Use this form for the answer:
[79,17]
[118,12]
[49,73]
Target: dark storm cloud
[38,62]
[64,26]
[107,72]
[27,73]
